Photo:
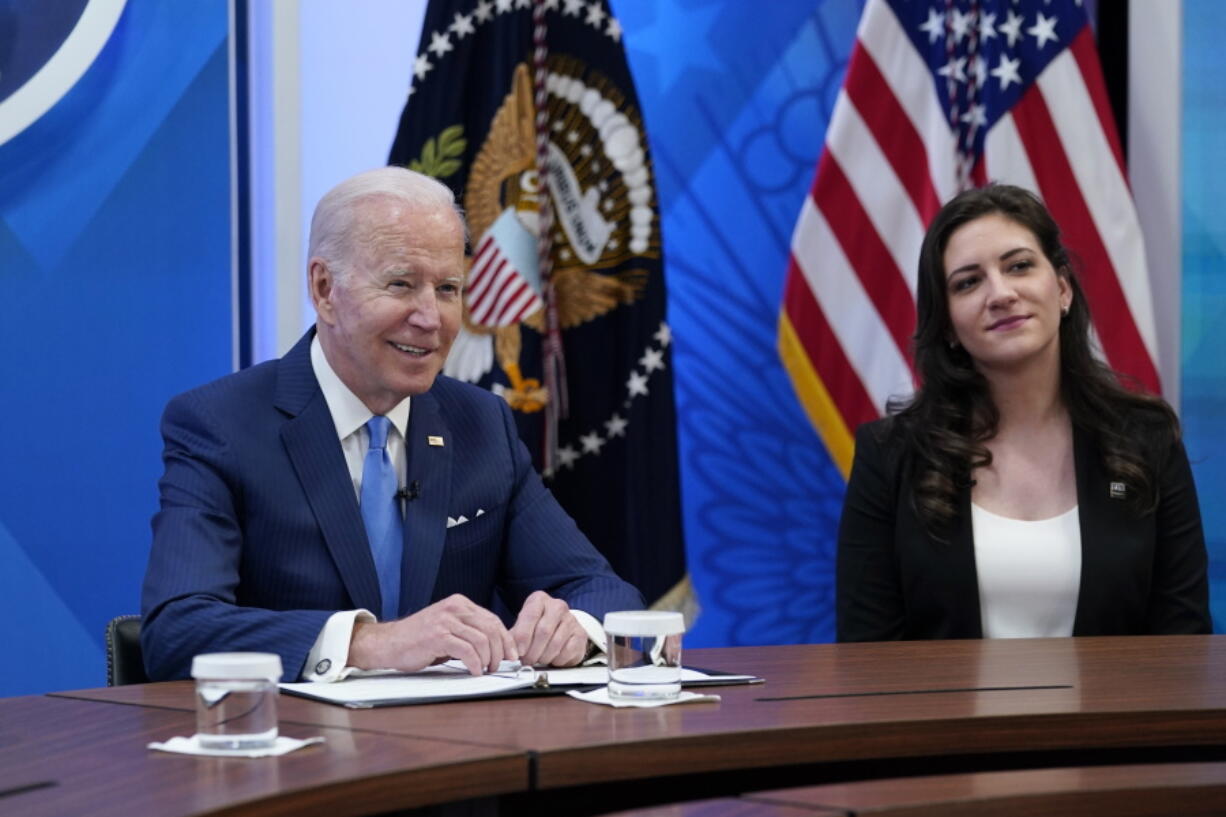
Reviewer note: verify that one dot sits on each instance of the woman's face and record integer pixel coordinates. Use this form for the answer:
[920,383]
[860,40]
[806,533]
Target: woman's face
[1005,298]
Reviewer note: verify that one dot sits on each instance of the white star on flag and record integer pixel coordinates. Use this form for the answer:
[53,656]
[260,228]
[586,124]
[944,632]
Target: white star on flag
[1012,28]
[595,15]
[567,456]
[954,68]
[987,27]
[573,7]
[934,26]
[977,116]
[615,426]
[1044,30]
[440,43]
[651,360]
[960,24]
[591,443]
[484,11]
[637,384]
[1007,72]
[421,66]
[462,25]
[663,335]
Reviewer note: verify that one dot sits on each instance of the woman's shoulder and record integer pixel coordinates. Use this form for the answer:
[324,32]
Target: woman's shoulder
[886,436]
[878,430]
[1147,424]
[1151,421]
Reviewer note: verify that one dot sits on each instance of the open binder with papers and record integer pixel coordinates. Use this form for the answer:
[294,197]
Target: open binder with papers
[451,682]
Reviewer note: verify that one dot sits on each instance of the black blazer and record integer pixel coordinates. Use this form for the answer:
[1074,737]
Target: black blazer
[1139,574]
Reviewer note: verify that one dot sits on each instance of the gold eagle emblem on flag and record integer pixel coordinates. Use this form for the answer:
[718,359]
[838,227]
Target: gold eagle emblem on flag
[601,194]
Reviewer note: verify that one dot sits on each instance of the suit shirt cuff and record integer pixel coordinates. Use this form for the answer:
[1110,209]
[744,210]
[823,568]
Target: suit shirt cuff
[327,659]
[597,645]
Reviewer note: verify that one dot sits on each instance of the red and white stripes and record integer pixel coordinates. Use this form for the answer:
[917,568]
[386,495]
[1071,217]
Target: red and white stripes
[498,294]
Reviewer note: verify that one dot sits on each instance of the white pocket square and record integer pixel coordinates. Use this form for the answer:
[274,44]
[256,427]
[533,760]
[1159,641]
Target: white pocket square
[452,521]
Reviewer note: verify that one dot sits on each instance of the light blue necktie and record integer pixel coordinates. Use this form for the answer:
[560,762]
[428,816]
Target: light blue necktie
[381,513]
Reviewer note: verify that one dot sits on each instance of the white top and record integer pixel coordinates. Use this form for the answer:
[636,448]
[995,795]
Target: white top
[1029,573]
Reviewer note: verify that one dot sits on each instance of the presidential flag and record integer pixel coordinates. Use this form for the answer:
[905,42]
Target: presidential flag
[942,95]
[527,110]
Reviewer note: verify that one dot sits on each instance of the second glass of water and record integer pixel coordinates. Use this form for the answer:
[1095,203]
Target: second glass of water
[644,654]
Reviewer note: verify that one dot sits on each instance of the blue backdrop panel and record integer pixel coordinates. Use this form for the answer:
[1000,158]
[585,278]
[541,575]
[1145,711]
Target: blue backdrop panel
[115,261]
[736,102]
[1204,277]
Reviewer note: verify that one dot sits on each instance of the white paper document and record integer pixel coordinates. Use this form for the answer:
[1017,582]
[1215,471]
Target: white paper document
[451,681]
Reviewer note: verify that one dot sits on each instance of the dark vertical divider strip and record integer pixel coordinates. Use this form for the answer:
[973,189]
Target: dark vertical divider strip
[242,148]
[1113,52]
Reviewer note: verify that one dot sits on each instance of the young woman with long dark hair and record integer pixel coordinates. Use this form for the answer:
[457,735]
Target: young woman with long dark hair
[1022,490]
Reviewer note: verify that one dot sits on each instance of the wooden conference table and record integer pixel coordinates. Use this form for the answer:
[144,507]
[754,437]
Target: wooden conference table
[828,714]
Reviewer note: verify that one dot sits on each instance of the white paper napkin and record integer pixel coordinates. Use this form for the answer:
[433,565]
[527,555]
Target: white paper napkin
[191,746]
[601,696]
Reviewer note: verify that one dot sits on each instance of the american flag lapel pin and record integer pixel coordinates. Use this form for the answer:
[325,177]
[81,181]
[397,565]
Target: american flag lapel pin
[433,440]
[1117,490]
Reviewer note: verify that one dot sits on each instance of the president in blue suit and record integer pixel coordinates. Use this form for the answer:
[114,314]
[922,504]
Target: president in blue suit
[270,536]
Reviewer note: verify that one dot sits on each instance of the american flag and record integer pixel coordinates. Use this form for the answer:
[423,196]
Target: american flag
[941,95]
[503,286]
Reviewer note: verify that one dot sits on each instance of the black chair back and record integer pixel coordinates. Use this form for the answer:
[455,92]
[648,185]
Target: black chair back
[124,662]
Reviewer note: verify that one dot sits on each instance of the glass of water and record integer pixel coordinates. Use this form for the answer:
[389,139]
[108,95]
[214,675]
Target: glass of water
[236,699]
[644,654]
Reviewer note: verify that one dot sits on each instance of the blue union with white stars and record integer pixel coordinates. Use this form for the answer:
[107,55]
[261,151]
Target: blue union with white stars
[984,54]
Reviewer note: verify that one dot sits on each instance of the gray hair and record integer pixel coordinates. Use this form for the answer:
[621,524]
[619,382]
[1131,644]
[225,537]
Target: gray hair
[337,222]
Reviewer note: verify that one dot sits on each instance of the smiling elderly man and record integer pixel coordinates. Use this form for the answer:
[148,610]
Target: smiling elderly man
[350,476]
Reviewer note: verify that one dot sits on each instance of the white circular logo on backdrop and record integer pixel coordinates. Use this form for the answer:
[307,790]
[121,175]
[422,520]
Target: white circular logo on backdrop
[49,47]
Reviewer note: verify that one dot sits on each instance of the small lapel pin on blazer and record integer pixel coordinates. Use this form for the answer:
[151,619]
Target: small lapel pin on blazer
[1118,490]
[433,440]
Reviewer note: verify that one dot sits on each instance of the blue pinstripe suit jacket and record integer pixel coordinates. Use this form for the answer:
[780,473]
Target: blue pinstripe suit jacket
[259,537]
